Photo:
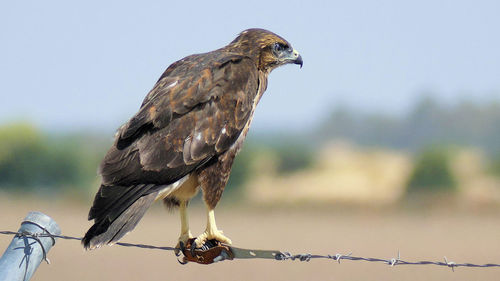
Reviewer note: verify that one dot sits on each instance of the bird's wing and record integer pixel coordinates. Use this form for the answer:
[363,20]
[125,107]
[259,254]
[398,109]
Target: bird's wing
[196,111]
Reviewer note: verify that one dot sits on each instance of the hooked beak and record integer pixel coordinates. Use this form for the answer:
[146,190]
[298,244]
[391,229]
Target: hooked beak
[298,58]
[292,57]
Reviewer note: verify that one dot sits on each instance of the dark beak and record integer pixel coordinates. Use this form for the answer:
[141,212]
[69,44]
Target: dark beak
[296,58]
[299,61]
[290,56]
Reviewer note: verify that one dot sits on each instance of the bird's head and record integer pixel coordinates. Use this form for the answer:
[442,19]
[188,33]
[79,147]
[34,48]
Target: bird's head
[267,49]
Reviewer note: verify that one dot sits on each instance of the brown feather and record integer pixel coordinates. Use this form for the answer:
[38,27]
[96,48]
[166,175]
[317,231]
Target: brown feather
[194,120]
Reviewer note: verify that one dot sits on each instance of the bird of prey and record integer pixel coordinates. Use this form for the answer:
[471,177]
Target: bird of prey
[185,136]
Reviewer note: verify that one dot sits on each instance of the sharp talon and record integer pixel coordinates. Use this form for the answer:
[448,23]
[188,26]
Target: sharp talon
[193,247]
[182,247]
[183,262]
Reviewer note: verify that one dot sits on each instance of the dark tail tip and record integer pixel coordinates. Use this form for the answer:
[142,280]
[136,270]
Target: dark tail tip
[93,238]
[106,231]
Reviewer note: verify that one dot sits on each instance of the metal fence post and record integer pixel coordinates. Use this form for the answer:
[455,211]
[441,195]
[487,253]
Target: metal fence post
[25,252]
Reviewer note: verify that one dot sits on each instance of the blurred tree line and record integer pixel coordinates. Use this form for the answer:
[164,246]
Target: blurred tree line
[430,131]
[33,160]
[428,123]
[432,172]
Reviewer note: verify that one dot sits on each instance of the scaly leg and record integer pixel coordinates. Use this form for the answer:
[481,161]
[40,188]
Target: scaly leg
[211,232]
[185,232]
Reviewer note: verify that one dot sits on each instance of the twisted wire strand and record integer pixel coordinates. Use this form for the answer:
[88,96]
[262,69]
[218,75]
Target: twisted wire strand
[283,255]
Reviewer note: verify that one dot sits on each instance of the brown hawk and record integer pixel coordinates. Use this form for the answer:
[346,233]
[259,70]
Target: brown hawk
[185,136]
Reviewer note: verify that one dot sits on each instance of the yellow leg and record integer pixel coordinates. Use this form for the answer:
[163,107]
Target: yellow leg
[185,232]
[211,232]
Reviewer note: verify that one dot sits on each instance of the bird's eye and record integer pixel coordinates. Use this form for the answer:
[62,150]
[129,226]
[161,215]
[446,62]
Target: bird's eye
[278,47]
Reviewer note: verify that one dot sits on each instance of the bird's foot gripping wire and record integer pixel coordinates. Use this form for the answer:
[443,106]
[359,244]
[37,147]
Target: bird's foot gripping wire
[212,233]
[183,240]
[211,251]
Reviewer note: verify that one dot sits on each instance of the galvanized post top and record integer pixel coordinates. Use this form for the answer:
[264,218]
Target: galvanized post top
[43,221]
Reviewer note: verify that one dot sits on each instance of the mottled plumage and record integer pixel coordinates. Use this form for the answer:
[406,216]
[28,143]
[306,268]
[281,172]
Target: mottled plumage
[186,134]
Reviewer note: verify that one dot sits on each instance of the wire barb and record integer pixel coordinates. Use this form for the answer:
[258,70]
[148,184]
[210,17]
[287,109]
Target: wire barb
[450,264]
[395,261]
[281,256]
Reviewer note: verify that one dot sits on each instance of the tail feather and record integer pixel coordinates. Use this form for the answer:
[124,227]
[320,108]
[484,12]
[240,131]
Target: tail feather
[114,217]
[112,200]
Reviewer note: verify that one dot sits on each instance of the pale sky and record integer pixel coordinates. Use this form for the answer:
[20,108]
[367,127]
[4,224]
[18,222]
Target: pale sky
[88,65]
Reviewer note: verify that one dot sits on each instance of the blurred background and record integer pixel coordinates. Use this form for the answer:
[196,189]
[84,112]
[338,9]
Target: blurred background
[390,128]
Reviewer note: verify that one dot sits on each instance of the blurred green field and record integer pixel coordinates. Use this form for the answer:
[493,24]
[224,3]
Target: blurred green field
[460,235]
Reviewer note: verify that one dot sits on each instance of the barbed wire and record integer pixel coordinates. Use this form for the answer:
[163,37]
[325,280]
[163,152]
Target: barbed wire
[38,235]
[283,255]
